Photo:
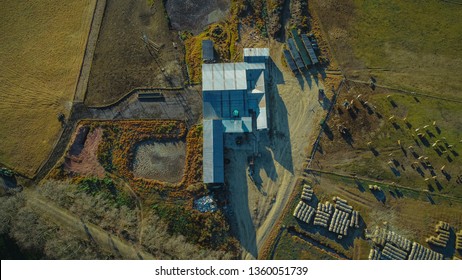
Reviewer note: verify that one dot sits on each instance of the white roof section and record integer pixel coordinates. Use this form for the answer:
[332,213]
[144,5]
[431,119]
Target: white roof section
[237,125]
[255,66]
[262,119]
[256,52]
[224,76]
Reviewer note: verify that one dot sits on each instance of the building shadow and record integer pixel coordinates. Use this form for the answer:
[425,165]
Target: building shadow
[266,163]
[240,215]
[279,130]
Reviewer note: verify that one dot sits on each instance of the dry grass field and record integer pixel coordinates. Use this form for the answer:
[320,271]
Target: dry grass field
[412,45]
[42,47]
[410,140]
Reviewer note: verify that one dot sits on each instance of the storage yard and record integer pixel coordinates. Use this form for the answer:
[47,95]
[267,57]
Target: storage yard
[405,238]
[263,129]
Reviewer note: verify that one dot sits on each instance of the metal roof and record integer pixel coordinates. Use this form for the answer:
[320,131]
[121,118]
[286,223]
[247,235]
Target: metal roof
[213,166]
[290,61]
[262,119]
[207,50]
[301,48]
[256,52]
[224,76]
[295,54]
[309,48]
[237,125]
[230,91]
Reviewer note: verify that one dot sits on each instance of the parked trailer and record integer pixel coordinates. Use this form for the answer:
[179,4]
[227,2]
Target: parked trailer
[301,48]
[290,61]
[293,50]
[309,48]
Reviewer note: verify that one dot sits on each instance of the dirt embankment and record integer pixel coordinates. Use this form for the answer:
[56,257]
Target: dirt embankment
[82,156]
[200,13]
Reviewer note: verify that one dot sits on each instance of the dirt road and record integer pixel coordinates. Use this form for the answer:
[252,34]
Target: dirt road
[294,117]
[106,241]
[82,83]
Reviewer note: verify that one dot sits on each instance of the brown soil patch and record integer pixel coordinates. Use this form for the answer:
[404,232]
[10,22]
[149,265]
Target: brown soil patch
[121,60]
[162,161]
[82,156]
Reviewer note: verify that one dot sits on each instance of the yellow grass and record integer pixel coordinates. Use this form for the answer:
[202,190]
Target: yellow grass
[42,46]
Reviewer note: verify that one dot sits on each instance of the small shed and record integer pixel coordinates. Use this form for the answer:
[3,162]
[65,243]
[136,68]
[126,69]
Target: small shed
[207,51]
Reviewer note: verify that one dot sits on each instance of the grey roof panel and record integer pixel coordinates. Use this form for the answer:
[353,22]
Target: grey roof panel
[213,166]
[301,48]
[207,50]
[295,54]
[290,61]
[309,48]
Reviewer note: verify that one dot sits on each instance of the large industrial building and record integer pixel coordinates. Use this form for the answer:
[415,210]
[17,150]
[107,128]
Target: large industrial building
[234,101]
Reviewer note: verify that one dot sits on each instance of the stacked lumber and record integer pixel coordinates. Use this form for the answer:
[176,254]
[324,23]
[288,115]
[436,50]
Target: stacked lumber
[307,192]
[341,204]
[304,212]
[379,236]
[393,252]
[442,229]
[375,254]
[419,252]
[459,240]
[354,220]
[399,241]
[340,222]
[323,213]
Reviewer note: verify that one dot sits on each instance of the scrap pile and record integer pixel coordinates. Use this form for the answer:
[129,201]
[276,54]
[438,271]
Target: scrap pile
[442,229]
[419,252]
[392,246]
[307,192]
[304,212]
[206,204]
[459,240]
[323,214]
